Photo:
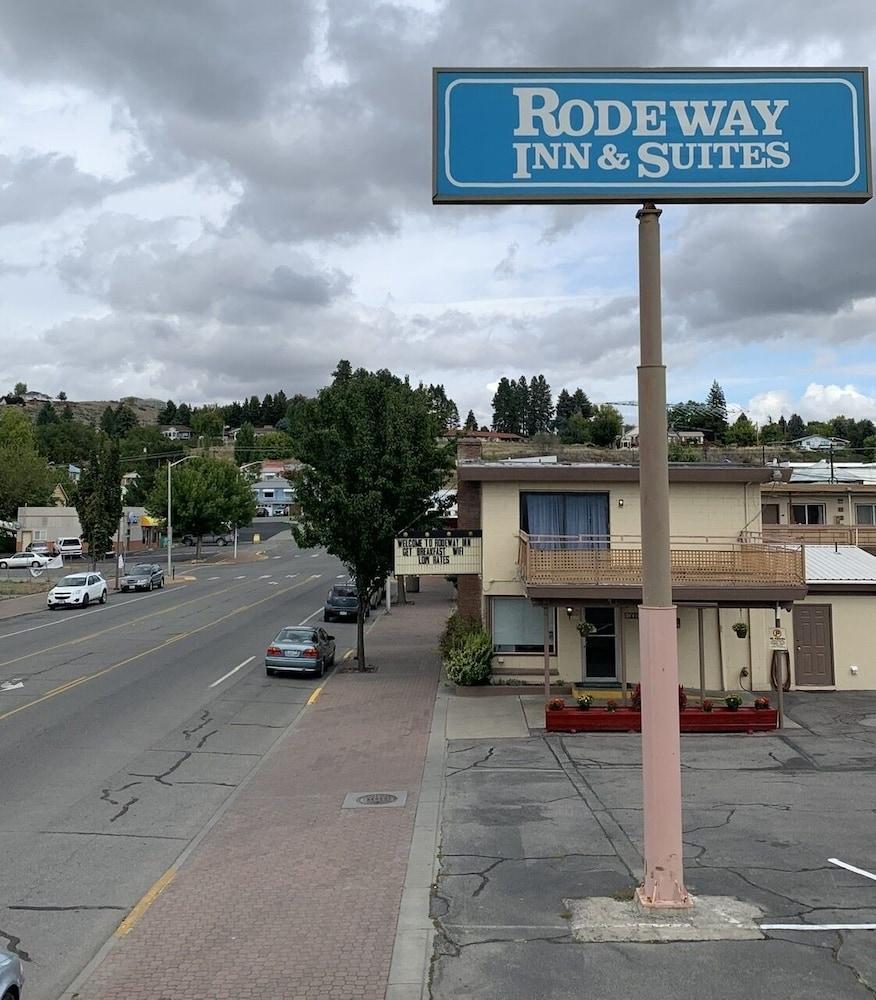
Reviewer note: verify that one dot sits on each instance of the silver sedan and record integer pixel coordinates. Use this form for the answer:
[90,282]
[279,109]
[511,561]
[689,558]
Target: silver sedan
[11,977]
[299,649]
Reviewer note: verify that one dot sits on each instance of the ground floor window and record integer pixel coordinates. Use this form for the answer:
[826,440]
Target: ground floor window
[518,626]
[807,513]
[865,513]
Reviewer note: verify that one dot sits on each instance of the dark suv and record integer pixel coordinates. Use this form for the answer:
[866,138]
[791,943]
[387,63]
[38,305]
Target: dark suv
[342,604]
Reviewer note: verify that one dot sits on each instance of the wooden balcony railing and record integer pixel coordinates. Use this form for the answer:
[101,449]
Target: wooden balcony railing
[821,534]
[616,560]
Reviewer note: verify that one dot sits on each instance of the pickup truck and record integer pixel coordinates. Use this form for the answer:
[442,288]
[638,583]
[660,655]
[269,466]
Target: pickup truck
[219,538]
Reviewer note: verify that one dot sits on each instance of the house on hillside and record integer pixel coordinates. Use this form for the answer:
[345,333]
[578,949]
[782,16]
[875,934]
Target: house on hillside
[175,432]
[274,495]
[630,439]
[565,538]
[817,442]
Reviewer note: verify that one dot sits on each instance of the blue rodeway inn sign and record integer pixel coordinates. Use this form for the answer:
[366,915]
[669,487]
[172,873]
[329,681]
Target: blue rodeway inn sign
[651,135]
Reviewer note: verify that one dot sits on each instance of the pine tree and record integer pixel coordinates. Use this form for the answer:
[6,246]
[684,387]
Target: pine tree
[184,414]
[244,445]
[540,412]
[564,411]
[502,406]
[796,427]
[581,404]
[46,415]
[715,418]
[521,405]
[168,414]
[471,423]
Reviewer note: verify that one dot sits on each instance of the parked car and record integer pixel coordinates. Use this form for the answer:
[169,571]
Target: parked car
[42,548]
[11,976]
[24,560]
[297,649]
[143,576]
[342,604]
[70,547]
[211,538]
[78,590]
[262,512]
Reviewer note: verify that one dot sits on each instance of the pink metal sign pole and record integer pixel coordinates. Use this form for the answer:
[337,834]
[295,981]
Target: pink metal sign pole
[661,745]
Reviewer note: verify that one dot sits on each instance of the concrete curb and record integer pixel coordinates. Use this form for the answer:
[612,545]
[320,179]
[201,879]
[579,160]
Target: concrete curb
[415,932]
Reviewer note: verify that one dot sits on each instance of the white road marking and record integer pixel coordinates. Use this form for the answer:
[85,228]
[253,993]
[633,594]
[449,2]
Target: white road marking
[83,614]
[240,577]
[313,615]
[11,685]
[214,577]
[818,927]
[273,583]
[851,868]
[291,576]
[266,576]
[225,677]
[276,557]
[315,555]
[340,576]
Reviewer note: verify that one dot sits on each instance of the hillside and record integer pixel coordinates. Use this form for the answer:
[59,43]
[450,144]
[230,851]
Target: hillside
[89,410]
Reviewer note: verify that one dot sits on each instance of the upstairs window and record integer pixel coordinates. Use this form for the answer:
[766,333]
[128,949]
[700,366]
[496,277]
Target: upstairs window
[575,517]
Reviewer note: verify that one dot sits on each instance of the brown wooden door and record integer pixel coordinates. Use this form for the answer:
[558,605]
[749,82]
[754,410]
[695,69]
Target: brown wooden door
[813,645]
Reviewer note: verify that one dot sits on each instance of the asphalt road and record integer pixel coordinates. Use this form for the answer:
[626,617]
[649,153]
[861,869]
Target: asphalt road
[133,723]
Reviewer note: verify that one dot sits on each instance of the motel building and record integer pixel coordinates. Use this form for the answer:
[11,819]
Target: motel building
[567,536]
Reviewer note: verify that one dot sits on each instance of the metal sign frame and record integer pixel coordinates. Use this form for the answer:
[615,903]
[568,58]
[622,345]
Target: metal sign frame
[657,194]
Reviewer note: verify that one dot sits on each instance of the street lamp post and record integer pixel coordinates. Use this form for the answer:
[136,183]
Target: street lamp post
[246,465]
[170,465]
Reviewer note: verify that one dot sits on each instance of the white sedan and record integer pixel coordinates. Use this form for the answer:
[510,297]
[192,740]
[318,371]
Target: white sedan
[78,590]
[25,560]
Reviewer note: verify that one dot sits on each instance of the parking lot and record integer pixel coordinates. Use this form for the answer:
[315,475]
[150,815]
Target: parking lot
[779,820]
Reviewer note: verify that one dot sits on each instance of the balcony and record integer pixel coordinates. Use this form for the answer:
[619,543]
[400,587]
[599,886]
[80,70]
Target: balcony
[821,534]
[704,568]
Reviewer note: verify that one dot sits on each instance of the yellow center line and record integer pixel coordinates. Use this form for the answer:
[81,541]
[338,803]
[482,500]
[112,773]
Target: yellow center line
[146,900]
[113,628]
[162,645]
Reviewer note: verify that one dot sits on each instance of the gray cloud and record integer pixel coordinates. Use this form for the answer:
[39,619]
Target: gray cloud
[36,186]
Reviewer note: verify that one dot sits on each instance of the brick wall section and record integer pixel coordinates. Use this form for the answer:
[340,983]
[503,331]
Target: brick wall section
[290,897]
[468,501]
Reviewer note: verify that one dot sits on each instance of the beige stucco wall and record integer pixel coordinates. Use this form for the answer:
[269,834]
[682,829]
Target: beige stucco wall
[839,505]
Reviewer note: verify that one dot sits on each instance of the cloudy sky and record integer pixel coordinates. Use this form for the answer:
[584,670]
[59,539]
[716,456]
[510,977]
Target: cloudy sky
[209,199]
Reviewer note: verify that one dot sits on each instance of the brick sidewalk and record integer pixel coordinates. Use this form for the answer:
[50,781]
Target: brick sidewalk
[289,896]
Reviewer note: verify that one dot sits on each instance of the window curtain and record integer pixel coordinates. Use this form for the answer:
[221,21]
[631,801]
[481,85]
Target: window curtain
[566,514]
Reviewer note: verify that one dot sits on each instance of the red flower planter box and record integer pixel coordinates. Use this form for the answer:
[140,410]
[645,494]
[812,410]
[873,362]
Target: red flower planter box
[693,720]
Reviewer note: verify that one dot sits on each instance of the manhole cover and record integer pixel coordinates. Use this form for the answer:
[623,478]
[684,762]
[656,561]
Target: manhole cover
[365,800]
[377,799]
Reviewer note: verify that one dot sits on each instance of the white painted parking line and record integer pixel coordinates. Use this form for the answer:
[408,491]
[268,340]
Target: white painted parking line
[851,868]
[818,927]
[225,677]
[312,615]
[112,606]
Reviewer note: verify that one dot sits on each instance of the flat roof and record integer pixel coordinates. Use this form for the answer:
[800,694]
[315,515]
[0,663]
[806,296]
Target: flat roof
[839,564]
[601,472]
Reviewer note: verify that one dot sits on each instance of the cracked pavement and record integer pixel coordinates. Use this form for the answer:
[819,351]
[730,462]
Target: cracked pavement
[529,822]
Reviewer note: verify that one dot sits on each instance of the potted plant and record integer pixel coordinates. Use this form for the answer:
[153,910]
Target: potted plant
[584,702]
[585,628]
[611,705]
[733,701]
[707,705]
[556,704]
[761,702]
[740,628]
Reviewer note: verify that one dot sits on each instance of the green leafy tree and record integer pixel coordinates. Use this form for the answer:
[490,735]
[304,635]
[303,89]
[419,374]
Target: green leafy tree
[20,388]
[183,415]
[145,451]
[796,427]
[741,432]
[606,425]
[98,500]
[343,371]
[445,409]
[771,433]
[578,430]
[471,423]
[108,422]
[125,420]
[274,445]
[67,412]
[62,396]
[372,463]
[207,423]
[67,441]
[207,495]
[25,476]
[244,445]
[234,414]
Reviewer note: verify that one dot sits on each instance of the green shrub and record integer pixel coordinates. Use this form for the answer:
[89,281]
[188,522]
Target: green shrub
[468,661]
[455,632]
